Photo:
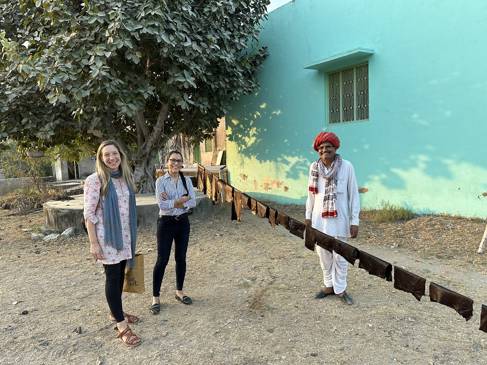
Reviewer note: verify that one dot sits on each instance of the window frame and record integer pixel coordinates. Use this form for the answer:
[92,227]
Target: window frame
[340,72]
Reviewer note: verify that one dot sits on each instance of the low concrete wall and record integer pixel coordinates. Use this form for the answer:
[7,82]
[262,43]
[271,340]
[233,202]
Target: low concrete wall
[60,215]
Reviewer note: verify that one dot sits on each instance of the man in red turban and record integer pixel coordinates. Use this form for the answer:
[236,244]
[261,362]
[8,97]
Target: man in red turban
[332,207]
[323,137]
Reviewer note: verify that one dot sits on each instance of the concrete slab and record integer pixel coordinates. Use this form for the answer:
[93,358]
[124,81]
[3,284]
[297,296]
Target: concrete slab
[62,214]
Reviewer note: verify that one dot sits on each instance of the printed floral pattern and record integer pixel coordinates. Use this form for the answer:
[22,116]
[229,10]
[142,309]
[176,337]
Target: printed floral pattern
[93,210]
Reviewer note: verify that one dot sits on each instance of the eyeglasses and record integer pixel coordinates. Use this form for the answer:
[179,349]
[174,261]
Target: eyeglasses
[173,160]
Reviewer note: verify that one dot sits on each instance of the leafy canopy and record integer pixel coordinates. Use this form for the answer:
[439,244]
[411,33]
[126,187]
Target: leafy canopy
[139,71]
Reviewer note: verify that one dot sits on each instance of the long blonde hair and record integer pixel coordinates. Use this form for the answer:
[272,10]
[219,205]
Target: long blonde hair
[104,172]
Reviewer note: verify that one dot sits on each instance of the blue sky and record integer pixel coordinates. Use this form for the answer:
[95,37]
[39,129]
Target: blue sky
[277,3]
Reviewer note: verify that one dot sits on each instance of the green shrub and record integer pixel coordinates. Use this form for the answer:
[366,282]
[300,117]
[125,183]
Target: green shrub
[389,213]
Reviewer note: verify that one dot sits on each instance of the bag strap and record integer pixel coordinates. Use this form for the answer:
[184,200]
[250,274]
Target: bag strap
[183,179]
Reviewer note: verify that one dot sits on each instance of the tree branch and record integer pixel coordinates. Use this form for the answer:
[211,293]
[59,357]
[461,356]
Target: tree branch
[141,128]
[157,130]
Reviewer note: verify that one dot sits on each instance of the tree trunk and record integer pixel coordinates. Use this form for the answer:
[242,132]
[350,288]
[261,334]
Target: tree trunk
[144,174]
[187,151]
[178,143]
[214,150]
[169,146]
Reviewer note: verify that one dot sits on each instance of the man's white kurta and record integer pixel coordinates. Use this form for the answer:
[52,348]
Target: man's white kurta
[334,266]
[347,204]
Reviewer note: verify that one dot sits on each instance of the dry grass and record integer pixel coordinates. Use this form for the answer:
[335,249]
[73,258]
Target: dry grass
[389,213]
[23,201]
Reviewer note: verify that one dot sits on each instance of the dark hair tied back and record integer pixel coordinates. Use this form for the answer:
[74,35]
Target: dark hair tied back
[173,151]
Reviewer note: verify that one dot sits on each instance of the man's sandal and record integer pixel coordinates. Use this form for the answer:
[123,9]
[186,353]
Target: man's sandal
[346,298]
[323,294]
[128,337]
[129,318]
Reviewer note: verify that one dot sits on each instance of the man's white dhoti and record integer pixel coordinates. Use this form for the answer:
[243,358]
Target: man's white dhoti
[334,267]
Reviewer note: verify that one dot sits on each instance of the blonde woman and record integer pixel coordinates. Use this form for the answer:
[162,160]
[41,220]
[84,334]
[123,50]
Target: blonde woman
[111,222]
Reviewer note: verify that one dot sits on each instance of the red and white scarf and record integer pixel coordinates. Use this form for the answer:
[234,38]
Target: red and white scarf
[330,194]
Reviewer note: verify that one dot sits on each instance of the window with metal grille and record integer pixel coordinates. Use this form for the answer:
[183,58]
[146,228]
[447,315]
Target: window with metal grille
[348,94]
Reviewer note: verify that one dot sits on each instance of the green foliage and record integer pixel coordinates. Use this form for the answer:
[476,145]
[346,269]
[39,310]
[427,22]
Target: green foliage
[76,151]
[139,71]
[389,213]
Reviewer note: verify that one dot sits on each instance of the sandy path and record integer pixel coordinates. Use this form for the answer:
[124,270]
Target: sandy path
[253,290]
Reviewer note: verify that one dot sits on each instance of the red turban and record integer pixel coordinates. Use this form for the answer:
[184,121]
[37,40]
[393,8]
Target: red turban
[323,137]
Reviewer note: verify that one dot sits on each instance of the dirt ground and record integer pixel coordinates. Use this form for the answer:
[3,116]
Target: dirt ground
[253,289]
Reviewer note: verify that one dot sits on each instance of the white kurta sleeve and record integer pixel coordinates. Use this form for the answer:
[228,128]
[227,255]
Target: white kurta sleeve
[310,201]
[353,197]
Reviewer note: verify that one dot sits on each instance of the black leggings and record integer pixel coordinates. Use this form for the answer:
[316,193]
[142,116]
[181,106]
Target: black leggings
[169,229]
[115,275]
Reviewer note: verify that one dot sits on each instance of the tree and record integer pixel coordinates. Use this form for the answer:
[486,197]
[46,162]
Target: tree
[139,71]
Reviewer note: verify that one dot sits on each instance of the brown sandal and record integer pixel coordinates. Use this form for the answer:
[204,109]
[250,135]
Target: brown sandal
[129,338]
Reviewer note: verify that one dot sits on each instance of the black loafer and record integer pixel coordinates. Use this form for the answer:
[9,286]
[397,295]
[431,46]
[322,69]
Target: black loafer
[155,308]
[185,299]
[347,299]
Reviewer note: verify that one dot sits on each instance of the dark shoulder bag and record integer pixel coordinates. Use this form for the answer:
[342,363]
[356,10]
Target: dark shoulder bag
[183,179]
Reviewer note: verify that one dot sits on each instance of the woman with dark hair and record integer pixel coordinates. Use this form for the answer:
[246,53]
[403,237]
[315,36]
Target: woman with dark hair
[175,197]
[111,221]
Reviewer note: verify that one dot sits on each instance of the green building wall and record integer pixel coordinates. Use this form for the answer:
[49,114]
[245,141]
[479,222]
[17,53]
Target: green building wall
[424,144]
